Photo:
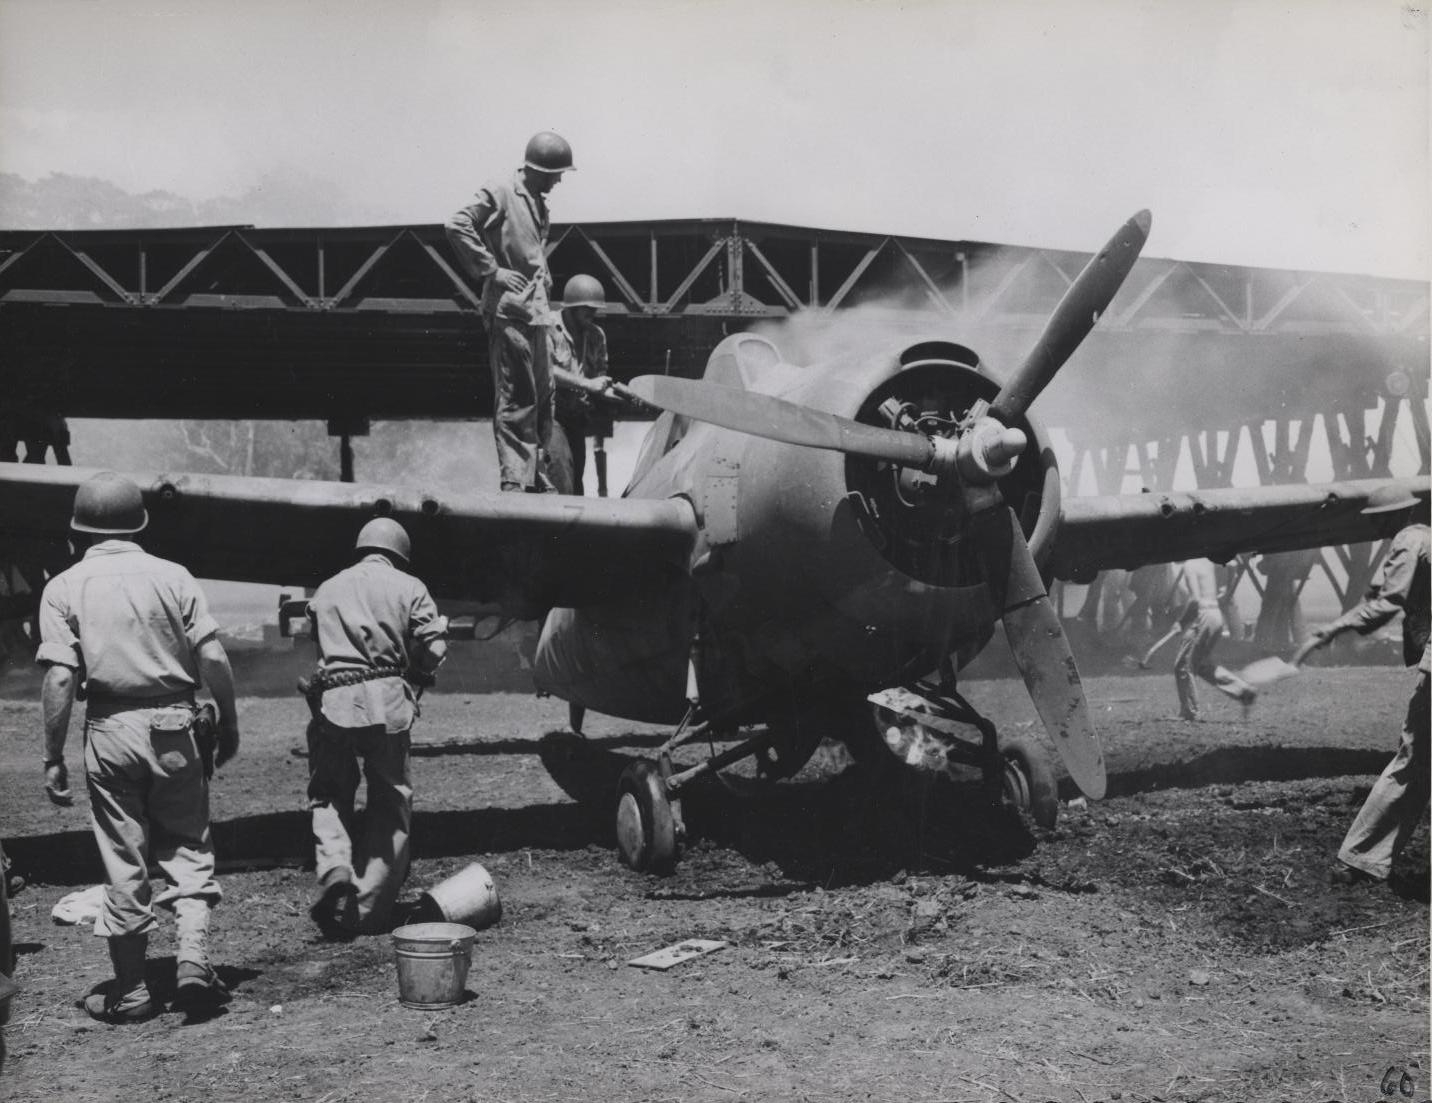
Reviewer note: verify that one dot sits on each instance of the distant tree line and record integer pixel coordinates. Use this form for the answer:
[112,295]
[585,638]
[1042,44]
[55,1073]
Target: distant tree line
[61,201]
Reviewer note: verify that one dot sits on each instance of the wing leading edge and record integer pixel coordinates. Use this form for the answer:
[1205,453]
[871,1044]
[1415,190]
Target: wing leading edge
[521,552]
[1128,531]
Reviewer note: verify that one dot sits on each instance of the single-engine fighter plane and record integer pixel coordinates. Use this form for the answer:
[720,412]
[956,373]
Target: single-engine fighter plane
[802,552]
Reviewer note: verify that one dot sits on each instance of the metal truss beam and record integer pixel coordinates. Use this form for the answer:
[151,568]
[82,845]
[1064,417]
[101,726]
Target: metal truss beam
[199,322]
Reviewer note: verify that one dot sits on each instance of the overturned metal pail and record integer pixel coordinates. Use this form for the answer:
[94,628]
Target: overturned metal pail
[433,960]
[468,896]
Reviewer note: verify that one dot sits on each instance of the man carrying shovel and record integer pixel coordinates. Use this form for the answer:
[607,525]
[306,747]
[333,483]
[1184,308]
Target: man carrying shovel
[1394,806]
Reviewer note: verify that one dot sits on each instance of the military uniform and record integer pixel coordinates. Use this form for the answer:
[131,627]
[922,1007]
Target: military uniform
[1393,808]
[581,350]
[506,228]
[369,620]
[131,625]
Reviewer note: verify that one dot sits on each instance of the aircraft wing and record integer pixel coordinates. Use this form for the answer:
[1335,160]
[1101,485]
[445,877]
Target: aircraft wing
[1130,530]
[521,553]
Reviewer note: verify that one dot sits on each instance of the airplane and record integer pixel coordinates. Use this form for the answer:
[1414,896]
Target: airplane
[804,552]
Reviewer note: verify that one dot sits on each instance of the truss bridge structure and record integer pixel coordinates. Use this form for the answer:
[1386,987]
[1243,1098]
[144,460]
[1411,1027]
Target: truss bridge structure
[1197,367]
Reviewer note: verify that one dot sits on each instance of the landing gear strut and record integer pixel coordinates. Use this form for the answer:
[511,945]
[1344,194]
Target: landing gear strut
[929,727]
[650,827]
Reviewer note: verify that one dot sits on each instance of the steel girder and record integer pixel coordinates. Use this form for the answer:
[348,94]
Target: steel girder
[321,322]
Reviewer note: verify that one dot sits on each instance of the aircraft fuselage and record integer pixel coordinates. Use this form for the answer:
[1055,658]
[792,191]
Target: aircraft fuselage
[815,573]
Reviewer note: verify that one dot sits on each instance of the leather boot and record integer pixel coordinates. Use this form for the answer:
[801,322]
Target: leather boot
[196,982]
[126,999]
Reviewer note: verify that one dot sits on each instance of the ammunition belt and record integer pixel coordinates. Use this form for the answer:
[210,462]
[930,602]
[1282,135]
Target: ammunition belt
[335,679]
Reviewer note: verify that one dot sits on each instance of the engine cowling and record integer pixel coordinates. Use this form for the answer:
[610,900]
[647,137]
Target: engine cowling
[847,568]
[815,569]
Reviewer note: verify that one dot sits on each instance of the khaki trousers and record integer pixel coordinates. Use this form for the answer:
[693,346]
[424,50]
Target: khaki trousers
[1195,656]
[522,415]
[149,797]
[1393,808]
[375,861]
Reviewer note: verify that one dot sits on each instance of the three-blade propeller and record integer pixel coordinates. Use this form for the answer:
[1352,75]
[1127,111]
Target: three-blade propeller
[977,457]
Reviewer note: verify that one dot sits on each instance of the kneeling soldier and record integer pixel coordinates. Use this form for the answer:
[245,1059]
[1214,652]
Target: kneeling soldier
[137,629]
[378,632]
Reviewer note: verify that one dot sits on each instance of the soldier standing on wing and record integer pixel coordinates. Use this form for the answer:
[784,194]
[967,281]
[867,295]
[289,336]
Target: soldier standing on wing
[579,365]
[501,239]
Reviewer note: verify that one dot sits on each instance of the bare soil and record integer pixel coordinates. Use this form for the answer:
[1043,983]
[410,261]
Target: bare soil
[1179,940]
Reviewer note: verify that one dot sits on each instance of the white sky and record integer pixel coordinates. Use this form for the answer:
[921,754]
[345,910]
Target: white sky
[1288,133]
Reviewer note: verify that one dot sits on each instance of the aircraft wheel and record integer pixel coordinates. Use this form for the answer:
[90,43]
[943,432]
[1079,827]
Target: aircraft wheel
[646,827]
[1027,784]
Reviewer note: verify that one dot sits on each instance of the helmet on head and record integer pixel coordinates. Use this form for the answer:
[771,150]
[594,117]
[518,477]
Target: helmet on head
[1388,499]
[109,505]
[386,535]
[584,291]
[548,152]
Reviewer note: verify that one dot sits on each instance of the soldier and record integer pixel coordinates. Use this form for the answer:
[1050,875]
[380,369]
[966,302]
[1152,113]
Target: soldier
[137,631]
[1202,627]
[1394,806]
[501,239]
[579,362]
[376,628]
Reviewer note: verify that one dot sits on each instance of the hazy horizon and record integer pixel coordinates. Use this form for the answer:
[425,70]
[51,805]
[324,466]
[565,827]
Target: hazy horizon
[1259,133]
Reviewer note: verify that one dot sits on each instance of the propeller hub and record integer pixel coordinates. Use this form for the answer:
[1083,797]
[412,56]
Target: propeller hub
[989,450]
[944,456]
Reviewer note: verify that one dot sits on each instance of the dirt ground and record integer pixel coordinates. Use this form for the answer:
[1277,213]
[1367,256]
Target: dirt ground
[1178,940]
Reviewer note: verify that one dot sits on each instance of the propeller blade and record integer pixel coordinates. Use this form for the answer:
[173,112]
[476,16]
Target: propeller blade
[1040,648]
[1087,298]
[762,415]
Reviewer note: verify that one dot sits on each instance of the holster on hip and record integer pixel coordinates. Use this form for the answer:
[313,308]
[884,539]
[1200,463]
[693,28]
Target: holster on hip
[206,735]
[311,690]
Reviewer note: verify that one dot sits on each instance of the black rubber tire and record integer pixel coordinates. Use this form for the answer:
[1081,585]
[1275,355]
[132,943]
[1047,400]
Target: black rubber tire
[1027,785]
[646,828]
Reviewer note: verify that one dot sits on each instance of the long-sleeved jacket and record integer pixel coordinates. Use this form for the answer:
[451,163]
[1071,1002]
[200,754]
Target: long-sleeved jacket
[505,227]
[372,616]
[1401,587]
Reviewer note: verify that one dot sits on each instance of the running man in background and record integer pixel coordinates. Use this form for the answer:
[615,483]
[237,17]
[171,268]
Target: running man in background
[1202,624]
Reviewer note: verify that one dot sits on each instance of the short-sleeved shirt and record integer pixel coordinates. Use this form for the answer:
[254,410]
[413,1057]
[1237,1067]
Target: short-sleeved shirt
[506,226]
[372,616]
[581,350]
[1402,586]
[131,621]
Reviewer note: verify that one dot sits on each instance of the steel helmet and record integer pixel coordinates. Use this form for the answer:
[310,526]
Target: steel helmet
[109,505]
[1389,499]
[584,291]
[548,152]
[385,534]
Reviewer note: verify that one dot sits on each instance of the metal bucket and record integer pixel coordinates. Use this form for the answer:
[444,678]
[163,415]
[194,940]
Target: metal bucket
[468,896]
[433,959]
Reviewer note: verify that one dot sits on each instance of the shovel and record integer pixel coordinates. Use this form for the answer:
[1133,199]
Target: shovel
[1265,672]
